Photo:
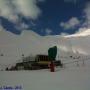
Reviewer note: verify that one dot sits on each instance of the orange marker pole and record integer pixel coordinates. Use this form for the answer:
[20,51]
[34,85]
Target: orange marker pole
[52,67]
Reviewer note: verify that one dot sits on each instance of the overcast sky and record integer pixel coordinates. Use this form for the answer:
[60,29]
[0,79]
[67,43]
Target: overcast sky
[45,17]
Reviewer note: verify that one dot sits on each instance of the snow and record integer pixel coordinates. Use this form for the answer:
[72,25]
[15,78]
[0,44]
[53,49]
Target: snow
[71,77]
[29,43]
[68,78]
[83,32]
[74,76]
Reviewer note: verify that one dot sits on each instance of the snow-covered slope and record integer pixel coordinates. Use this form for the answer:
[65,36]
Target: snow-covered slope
[70,78]
[13,46]
[80,41]
[84,32]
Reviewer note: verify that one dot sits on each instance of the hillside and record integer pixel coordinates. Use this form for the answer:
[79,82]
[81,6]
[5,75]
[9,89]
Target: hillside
[29,43]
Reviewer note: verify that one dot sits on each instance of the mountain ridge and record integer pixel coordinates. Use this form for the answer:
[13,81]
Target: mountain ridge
[13,46]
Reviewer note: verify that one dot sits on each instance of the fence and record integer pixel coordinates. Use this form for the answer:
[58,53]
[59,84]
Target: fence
[77,62]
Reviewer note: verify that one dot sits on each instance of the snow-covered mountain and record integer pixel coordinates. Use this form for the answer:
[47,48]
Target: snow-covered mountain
[29,43]
[81,33]
[80,41]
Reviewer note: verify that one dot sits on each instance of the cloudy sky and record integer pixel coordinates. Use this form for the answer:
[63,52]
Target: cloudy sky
[45,17]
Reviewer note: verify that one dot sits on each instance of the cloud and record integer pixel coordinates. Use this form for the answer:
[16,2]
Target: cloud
[48,31]
[11,8]
[6,9]
[87,15]
[63,34]
[86,24]
[72,23]
[84,27]
[28,8]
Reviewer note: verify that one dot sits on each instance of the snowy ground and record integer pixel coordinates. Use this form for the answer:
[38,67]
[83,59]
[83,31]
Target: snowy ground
[72,77]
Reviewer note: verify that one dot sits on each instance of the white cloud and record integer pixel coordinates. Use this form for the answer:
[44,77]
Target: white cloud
[64,34]
[28,8]
[81,30]
[11,8]
[6,9]
[48,31]
[87,15]
[23,25]
[86,24]
[72,23]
